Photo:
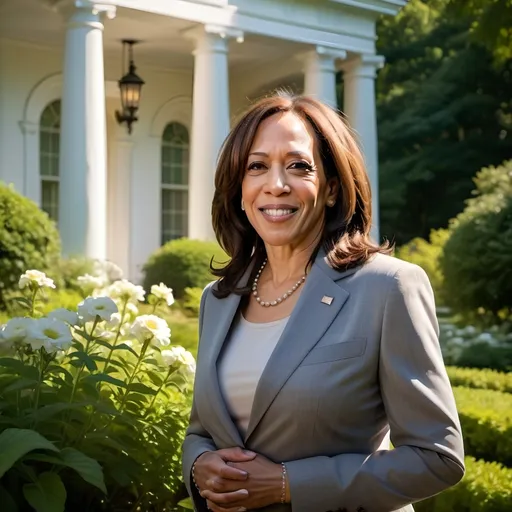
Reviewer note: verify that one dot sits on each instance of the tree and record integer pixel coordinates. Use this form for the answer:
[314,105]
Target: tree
[443,112]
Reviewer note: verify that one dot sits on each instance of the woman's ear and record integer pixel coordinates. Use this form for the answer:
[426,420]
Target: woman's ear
[333,186]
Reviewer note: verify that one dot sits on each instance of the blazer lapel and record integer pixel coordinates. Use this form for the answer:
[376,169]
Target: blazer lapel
[221,313]
[313,314]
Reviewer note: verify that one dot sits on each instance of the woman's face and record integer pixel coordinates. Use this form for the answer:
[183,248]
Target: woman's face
[285,190]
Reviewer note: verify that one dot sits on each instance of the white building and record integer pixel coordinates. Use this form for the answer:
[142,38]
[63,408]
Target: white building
[118,195]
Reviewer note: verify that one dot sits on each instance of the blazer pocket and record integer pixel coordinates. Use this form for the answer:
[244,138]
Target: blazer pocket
[354,347]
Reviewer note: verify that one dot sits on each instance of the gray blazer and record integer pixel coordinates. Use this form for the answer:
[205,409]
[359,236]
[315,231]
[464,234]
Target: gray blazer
[343,378]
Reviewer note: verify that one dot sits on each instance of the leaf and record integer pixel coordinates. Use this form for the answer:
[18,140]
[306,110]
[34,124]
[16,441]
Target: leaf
[7,501]
[124,346]
[46,412]
[186,503]
[141,388]
[16,442]
[155,378]
[22,369]
[137,398]
[102,377]
[21,383]
[46,494]
[86,360]
[59,369]
[88,468]
[104,343]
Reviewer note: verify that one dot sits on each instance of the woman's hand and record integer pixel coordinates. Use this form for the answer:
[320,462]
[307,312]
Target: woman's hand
[212,472]
[262,487]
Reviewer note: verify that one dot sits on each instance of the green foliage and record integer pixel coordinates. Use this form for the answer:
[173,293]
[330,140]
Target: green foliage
[486,418]
[492,24]
[69,269]
[480,379]
[28,239]
[96,422]
[486,487]
[477,256]
[444,112]
[182,264]
[426,254]
[192,300]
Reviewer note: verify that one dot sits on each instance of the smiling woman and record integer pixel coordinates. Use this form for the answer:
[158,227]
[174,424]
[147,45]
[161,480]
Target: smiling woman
[316,347]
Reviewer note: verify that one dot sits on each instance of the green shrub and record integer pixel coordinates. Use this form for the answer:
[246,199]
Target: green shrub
[486,418]
[28,240]
[192,300]
[477,256]
[486,487]
[182,264]
[426,254]
[480,379]
[93,416]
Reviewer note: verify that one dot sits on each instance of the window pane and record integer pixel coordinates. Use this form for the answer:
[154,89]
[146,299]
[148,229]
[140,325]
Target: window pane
[50,198]
[49,147]
[174,214]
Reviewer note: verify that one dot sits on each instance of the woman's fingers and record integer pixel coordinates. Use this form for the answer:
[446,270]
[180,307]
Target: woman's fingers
[215,508]
[226,499]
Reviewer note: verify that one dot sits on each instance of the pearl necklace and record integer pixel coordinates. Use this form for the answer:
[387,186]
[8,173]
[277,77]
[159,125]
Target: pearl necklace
[279,299]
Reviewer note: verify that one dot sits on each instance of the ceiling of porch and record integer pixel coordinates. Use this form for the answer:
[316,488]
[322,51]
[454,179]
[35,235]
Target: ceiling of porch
[162,42]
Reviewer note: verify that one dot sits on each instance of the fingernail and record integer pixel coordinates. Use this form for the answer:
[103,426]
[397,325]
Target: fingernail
[245,492]
[242,509]
[248,452]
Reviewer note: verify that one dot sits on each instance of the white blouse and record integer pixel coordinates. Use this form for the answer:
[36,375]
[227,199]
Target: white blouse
[242,362]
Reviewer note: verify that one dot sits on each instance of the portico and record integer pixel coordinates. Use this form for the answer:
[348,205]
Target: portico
[120,196]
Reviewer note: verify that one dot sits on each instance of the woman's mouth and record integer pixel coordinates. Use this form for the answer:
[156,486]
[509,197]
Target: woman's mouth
[278,214]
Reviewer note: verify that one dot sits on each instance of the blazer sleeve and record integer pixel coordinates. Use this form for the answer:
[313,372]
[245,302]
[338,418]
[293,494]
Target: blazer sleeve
[197,440]
[428,454]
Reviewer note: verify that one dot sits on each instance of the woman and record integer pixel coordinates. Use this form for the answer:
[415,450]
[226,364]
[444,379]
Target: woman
[315,344]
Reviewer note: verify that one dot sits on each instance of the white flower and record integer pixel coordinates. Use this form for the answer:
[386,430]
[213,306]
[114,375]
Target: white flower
[151,326]
[91,282]
[90,308]
[114,321]
[35,278]
[183,357]
[126,291]
[110,271]
[64,315]
[49,333]
[486,337]
[16,329]
[162,292]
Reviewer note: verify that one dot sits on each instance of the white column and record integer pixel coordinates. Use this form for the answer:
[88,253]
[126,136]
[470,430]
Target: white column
[119,204]
[31,178]
[320,74]
[360,108]
[83,153]
[210,124]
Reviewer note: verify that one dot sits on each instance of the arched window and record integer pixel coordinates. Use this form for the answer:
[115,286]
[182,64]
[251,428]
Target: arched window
[175,155]
[49,144]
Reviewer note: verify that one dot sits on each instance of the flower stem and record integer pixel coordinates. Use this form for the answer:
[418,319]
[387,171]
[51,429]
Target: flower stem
[159,389]
[118,333]
[135,370]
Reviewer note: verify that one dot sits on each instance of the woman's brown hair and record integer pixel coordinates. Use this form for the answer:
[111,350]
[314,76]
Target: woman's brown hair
[346,236]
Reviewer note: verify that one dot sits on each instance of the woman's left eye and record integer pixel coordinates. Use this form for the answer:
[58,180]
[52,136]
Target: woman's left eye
[302,166]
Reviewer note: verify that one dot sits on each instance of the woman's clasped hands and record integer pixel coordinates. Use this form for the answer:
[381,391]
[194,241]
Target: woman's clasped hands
[235,480]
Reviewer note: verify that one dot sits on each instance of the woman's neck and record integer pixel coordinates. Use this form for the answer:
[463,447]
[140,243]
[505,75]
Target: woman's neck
[287,263]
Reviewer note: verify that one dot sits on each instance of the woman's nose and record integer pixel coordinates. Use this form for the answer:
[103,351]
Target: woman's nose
[276,181]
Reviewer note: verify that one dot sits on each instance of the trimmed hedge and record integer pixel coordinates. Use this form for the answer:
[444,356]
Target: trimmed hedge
[183,263]
[486,418]
[28,240]
[486,487]
[480,379]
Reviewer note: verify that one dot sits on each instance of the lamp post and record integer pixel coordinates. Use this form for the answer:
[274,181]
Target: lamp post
[130,86]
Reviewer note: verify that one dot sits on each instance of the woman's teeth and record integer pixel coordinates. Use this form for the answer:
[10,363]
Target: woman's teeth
[277,212]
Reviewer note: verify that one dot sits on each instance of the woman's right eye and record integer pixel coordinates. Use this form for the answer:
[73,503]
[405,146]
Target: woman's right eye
[256,166]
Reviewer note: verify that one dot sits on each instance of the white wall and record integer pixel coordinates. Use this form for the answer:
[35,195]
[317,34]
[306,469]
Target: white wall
[133,161]
[22,68]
